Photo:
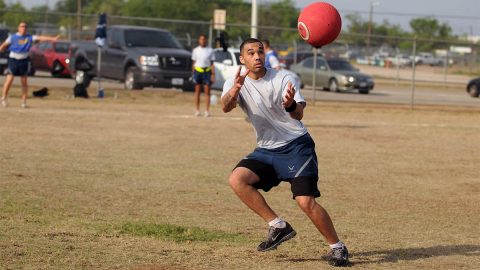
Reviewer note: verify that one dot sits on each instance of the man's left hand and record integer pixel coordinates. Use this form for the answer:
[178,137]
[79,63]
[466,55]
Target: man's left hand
[288,98]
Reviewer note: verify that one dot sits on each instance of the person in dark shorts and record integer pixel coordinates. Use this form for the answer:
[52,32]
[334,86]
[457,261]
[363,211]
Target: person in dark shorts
[19,62]
[203,72]
[285,151]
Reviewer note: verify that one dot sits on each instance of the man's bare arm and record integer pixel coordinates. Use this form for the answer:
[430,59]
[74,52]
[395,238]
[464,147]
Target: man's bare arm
[48,38]
[3,46]
[229,100]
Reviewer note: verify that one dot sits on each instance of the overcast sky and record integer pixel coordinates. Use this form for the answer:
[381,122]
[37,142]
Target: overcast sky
[448,11]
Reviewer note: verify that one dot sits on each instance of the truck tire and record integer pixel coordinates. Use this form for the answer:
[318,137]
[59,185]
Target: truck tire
[129,81]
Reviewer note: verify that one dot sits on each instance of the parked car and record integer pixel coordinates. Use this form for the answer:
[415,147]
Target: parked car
[138,56]
[289,59]
[401,60]
[4,32]
[226,66]
[51,56]
[473,87]
[425,58]
[335,74]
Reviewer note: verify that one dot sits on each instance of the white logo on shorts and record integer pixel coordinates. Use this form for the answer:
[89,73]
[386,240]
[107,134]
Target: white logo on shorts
[291,168]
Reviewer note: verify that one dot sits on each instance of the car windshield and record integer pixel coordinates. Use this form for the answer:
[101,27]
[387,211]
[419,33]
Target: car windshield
[340,65]
[150,38]
[62,47]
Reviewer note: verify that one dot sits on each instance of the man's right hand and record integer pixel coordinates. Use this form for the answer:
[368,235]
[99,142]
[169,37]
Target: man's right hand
[229,101]
[239,79]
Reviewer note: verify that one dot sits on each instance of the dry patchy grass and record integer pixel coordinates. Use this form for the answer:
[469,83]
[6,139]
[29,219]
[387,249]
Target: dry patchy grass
[139,183]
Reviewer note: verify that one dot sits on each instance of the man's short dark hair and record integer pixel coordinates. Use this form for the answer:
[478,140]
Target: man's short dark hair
[202,35]
[266,42]
[249,41]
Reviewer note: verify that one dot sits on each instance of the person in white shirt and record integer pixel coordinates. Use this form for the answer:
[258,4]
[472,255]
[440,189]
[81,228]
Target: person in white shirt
[285,151]
[203,72]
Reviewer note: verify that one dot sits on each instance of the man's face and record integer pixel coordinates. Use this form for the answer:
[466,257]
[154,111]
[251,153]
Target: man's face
[22,28]
[253,56]
[202,41]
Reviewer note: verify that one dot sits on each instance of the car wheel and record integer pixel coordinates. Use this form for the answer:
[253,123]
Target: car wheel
[364,91]
[333,85]
[129,82]
[473,90]
[57,69]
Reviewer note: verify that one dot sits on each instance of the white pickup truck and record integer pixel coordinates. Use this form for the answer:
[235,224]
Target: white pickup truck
[226,66]
[424,58]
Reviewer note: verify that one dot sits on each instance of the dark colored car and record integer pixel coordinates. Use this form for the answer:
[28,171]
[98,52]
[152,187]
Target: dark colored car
[473,87]
[3,55]
[289,59]
[51,56]
[138,56]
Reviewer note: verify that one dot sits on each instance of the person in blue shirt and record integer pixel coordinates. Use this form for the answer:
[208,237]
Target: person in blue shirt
[19,45]
[271,56]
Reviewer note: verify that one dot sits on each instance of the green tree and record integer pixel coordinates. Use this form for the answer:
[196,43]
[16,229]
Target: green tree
[16,14]
[280,14]
[431,33]
[384,33]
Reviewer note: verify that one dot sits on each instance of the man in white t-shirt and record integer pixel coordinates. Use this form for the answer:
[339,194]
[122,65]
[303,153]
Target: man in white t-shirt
[203,72]
[285,151]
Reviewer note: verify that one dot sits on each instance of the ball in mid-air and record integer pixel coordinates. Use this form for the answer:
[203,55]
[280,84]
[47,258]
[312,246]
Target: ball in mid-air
[319,24]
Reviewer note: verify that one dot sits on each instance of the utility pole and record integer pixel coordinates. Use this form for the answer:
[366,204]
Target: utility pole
[370,22]
[79,19]
[254,29]
[45,25]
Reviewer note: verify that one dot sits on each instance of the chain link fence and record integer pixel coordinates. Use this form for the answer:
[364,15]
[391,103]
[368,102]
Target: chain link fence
[403,59]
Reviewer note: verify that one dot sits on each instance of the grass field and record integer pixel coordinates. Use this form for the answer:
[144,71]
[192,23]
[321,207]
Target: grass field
[139,183]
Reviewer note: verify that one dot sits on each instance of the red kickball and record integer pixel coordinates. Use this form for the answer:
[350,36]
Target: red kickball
[319,24]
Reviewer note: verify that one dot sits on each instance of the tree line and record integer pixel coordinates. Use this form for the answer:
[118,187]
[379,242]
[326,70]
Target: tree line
[281,14]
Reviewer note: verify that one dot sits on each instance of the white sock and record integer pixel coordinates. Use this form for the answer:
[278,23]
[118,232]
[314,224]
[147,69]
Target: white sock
[277,223]
[339,244]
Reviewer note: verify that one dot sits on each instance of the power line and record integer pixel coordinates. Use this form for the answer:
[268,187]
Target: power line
[400,14]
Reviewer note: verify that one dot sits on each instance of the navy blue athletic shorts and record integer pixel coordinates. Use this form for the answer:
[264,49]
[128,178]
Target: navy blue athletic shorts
[202,77]
[18,67]
[295,162]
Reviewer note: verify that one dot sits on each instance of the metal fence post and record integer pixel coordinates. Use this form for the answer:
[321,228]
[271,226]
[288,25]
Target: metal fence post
[210,33]
[445,71]
[314,75]
[414,53]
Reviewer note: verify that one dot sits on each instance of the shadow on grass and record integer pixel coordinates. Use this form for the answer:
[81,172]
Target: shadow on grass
[403,254]
[413,254]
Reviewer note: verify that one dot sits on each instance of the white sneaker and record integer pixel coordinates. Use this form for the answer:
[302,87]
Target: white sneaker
[206,114]
[4,103]
[24,105]
[197,113]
